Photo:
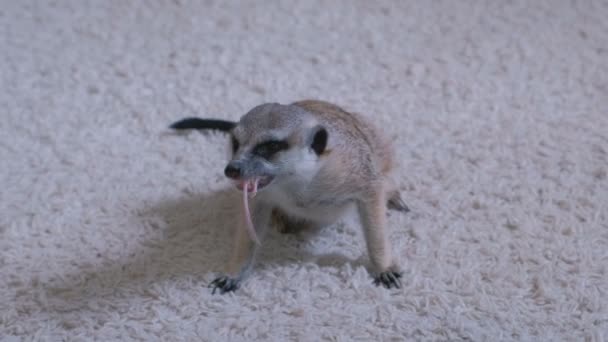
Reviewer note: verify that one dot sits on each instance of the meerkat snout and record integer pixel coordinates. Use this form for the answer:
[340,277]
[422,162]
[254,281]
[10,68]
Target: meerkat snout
[232,171]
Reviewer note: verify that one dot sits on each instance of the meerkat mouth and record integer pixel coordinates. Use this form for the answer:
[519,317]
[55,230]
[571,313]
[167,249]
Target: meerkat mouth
[254,184]
[249,188]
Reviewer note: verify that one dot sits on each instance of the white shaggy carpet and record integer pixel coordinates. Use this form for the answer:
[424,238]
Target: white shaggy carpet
[111,226]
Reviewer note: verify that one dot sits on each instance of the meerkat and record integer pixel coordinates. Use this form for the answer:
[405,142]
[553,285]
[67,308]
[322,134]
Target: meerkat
[307,163]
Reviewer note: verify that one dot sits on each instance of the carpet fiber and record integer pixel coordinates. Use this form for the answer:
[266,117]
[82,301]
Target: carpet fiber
[112,226]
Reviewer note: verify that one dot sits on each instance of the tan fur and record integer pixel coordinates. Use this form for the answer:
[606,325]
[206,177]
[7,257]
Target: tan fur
[359,131]
[362,156]
[354,169]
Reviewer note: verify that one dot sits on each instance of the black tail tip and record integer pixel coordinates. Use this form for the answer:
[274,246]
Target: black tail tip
[187,123]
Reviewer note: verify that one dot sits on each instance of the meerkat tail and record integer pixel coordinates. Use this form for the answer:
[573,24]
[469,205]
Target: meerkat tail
[198,123]
[248,221]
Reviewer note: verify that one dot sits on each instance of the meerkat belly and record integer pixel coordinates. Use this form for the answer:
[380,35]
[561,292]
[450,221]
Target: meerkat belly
[322,214]
[318,209]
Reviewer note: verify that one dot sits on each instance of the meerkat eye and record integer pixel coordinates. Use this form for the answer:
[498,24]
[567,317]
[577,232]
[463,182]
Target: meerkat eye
[270,148]
[319,140]
[235,144]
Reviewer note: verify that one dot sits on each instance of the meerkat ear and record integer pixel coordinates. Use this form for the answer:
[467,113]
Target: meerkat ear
[318,139]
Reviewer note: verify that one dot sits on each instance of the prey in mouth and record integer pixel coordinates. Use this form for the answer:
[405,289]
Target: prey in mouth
[250,171]
[254,184]
[249,189]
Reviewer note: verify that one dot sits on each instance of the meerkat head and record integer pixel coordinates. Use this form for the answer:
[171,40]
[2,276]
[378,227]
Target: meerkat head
[274,143]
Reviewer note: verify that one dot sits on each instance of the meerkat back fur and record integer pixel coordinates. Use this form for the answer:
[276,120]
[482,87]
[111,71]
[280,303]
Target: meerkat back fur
[311,161]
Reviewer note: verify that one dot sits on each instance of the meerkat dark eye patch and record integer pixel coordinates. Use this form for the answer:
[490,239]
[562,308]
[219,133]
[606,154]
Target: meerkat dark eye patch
[269,148]
[235,144]
[319,141]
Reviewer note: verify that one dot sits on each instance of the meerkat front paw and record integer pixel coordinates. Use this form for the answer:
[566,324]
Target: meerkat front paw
[224,284]
[388,279]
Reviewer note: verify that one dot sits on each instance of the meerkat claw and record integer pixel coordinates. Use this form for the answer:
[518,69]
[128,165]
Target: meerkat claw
[388,279]
[396,203]
[224,284]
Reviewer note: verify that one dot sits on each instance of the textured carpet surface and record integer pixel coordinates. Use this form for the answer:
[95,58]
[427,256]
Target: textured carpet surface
[111,226]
